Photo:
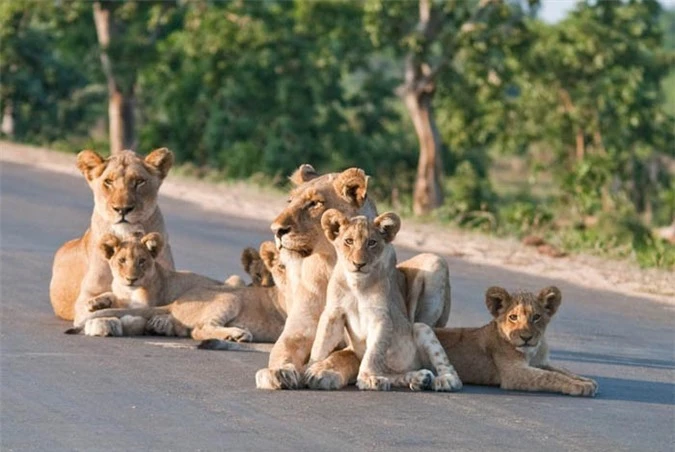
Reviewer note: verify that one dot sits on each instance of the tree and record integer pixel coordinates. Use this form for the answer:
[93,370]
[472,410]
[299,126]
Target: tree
[437,41]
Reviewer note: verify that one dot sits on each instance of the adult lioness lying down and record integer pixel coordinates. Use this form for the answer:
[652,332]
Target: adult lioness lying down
[176,303]
[511,350]
[125,188]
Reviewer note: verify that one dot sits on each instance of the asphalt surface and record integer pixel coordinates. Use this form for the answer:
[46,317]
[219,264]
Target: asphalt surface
[60,392]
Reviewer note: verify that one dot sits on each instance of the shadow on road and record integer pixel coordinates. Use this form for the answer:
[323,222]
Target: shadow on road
[636,391]
[613,360]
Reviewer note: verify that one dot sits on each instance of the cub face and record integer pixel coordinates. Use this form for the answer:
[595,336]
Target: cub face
[125,185]
[132,261]
[256,268]
[298,227]
[360,243]
[522,317]
[269,255]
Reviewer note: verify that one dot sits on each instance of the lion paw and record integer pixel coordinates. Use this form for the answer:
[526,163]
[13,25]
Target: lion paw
[161,325]
[100,302]
[106,326]
[319,376]
[373,383]
[241,336]
[421,380]
[583,389]
[447,382]
[285,377]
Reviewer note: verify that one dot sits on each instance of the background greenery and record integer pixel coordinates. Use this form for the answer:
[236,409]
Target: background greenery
[562,130]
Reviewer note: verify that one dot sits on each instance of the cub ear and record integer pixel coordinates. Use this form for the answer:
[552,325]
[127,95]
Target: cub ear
[352,186]
[550,298]
[160,160]
[154,243]
[268,254]
[90,164]
[248,256]
[108,245]
[388,224]
[304,173]
[496,300]
[331,222]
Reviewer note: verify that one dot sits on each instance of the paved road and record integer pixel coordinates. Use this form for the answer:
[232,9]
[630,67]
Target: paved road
[62,392]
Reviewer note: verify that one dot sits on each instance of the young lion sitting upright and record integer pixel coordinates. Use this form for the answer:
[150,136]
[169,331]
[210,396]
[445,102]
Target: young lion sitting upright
[511,350]
[177,303]
[364,297]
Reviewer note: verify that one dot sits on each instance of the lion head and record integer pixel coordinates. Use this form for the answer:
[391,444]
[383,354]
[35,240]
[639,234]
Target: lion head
[522,317]
[362,245]
[132,260]
[298,227]
[256,268]
[125,185]
[269,255]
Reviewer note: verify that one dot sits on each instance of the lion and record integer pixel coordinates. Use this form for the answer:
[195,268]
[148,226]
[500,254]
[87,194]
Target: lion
[255,267]
[125,187]
[176,303]
[511,350]
[364,298]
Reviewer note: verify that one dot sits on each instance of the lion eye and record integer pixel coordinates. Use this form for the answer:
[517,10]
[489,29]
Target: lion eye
[372,243]
[536,317]
[140,182]
[513,317]
[122,260]
[108,183]
[141,262]
[349,242]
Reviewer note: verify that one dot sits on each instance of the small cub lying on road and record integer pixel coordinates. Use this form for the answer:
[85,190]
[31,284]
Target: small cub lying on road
[364,297]
[511,350]
[200,307]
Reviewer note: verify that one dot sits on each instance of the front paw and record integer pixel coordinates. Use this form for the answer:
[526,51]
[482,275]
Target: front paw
[582,389]
[106,326]
[241,336]
[320,376]
[161,325]
[284,377]
[373,383]
[100,302]
[447,382]
[421,379]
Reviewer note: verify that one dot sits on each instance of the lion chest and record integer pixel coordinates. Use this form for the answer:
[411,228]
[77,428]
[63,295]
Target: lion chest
[133,297]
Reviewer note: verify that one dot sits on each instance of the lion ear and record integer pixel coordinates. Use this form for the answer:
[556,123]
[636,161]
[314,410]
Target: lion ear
[388,224]
[154,243]
[248,256]
[496,300]
[550,298]
[268,254]
[90,164]
[160,160]
[108,245]
[352,186]
[304,173]
[331,222]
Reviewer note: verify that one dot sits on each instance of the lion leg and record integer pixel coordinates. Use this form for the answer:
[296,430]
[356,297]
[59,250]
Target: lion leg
[287,359]
[335,372]
[104,326]
[432,352]
[104,301]
[417,380]
[133,325]
[205,332]
[569,374]
[534,379]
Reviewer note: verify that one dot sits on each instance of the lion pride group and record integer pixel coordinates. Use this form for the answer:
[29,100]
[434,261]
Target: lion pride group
[328,292]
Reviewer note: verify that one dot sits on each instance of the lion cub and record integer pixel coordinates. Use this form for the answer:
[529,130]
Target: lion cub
[177,303]
[511,350]
[364,297]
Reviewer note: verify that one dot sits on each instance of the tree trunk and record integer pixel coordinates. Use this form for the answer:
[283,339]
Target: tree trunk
[428,192]
[8,119]
[121,105]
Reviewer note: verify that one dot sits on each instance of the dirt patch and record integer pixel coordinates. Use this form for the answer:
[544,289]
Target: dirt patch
[247,201]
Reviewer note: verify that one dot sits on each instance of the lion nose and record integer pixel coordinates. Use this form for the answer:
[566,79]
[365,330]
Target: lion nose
[123,210]
[525,337]
[132,280]
[280,231]
[359,266]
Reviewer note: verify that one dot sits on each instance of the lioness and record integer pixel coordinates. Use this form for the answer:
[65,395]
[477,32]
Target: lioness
[199,306]
[511,350]
[364,297]
[125,188]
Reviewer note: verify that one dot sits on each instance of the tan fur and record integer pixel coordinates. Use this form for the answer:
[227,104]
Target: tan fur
[364,298]
[425,281]
[178,303]
[270,256]
[256,268]
[122,181]
[511,350]
[308,259]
